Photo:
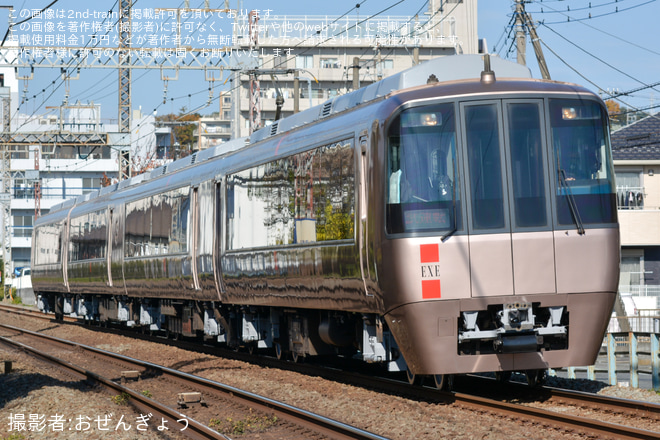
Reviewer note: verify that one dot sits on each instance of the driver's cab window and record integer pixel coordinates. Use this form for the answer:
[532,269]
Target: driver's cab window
[421,186]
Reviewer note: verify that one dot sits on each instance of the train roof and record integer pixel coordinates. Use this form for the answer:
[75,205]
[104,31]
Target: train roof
[444,69]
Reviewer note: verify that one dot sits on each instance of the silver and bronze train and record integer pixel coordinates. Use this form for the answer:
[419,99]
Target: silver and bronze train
[457,217]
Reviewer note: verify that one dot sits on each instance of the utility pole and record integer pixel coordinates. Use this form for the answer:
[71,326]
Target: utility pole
[521,36]
[125,88]
[536,43]
[525,24]
[356,73]
[5,195]
[296,92]
[255,89]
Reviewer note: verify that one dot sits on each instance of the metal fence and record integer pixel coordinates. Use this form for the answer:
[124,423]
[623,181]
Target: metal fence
[647,321]
[634,353]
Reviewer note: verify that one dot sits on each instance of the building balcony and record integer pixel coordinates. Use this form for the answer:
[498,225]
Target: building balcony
[639,290]
[90,164]
[640,227]
[21,241]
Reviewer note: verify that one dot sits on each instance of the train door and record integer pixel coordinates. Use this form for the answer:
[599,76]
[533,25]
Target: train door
[511,247]
[116,248]
[532,242]
[108,253]
[64,250]
[194,245]
[365,240]
[218,234]
[491,268]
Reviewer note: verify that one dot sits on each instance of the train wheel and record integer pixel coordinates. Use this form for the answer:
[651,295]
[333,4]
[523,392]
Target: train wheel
[413,379]
[295,356]
[535,378]
[278,350]
[444,382]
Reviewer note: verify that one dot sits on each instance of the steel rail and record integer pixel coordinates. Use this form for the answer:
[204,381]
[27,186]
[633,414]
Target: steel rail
[35,314]
[563,421]
[324,425]
[514,410]
[193,430]
[605,403]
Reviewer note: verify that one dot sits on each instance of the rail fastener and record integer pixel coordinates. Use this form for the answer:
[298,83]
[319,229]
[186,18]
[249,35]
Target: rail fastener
[184,399]
[129,375]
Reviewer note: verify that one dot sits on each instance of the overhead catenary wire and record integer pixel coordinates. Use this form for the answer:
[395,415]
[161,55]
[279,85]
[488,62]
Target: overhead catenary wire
[598,58]
[348,28]
[571,18]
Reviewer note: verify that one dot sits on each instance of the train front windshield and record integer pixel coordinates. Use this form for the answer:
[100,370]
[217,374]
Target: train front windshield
[422,195]
[514,163]
[583,165]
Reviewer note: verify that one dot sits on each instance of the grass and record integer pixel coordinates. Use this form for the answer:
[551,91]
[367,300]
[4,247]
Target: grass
[121,399]
[250,424]
[14,436]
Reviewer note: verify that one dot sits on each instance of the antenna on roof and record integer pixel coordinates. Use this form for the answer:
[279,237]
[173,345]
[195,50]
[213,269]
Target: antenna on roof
[487,75]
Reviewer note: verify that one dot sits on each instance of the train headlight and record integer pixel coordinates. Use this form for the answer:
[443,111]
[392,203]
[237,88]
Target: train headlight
[580,112]
[421,119]
[568,113]
[429,119]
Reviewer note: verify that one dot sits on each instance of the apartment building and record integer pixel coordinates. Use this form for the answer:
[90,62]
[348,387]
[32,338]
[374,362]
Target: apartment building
[331,56]
[636,151]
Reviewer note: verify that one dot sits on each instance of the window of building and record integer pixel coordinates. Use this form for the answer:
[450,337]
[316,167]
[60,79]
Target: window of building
[330,63]
[23,225]
[23,189]
[304,61]
[387,64]
[632,271]
[90,184]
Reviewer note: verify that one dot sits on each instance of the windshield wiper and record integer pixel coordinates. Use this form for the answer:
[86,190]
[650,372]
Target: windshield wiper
[571,202]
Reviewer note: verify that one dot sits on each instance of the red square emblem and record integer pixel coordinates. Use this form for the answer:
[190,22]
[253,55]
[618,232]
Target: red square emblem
[429,253]
[430,289]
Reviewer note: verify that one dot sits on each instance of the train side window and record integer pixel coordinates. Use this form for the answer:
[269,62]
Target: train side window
[158,225]
[48,239]
[88,236]
[307,197]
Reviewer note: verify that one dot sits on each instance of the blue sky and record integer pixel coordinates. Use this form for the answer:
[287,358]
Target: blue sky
[612,50]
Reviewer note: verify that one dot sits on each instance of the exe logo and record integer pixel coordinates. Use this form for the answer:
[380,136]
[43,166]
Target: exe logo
[429,256]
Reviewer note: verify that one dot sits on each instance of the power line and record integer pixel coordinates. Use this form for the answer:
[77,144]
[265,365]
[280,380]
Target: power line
[569,18]
[597,58]
[23,21]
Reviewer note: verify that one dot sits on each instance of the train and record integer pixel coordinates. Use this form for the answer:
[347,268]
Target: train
[457,217]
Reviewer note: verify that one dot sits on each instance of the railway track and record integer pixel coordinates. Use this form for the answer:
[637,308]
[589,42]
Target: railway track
[594,415]
[172,390]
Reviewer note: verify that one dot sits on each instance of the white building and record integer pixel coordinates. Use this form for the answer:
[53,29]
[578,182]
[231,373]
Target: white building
[70,171]
[322,50]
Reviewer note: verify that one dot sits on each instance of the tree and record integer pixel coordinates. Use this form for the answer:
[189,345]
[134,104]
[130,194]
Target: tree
[183,128]
[614,111]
